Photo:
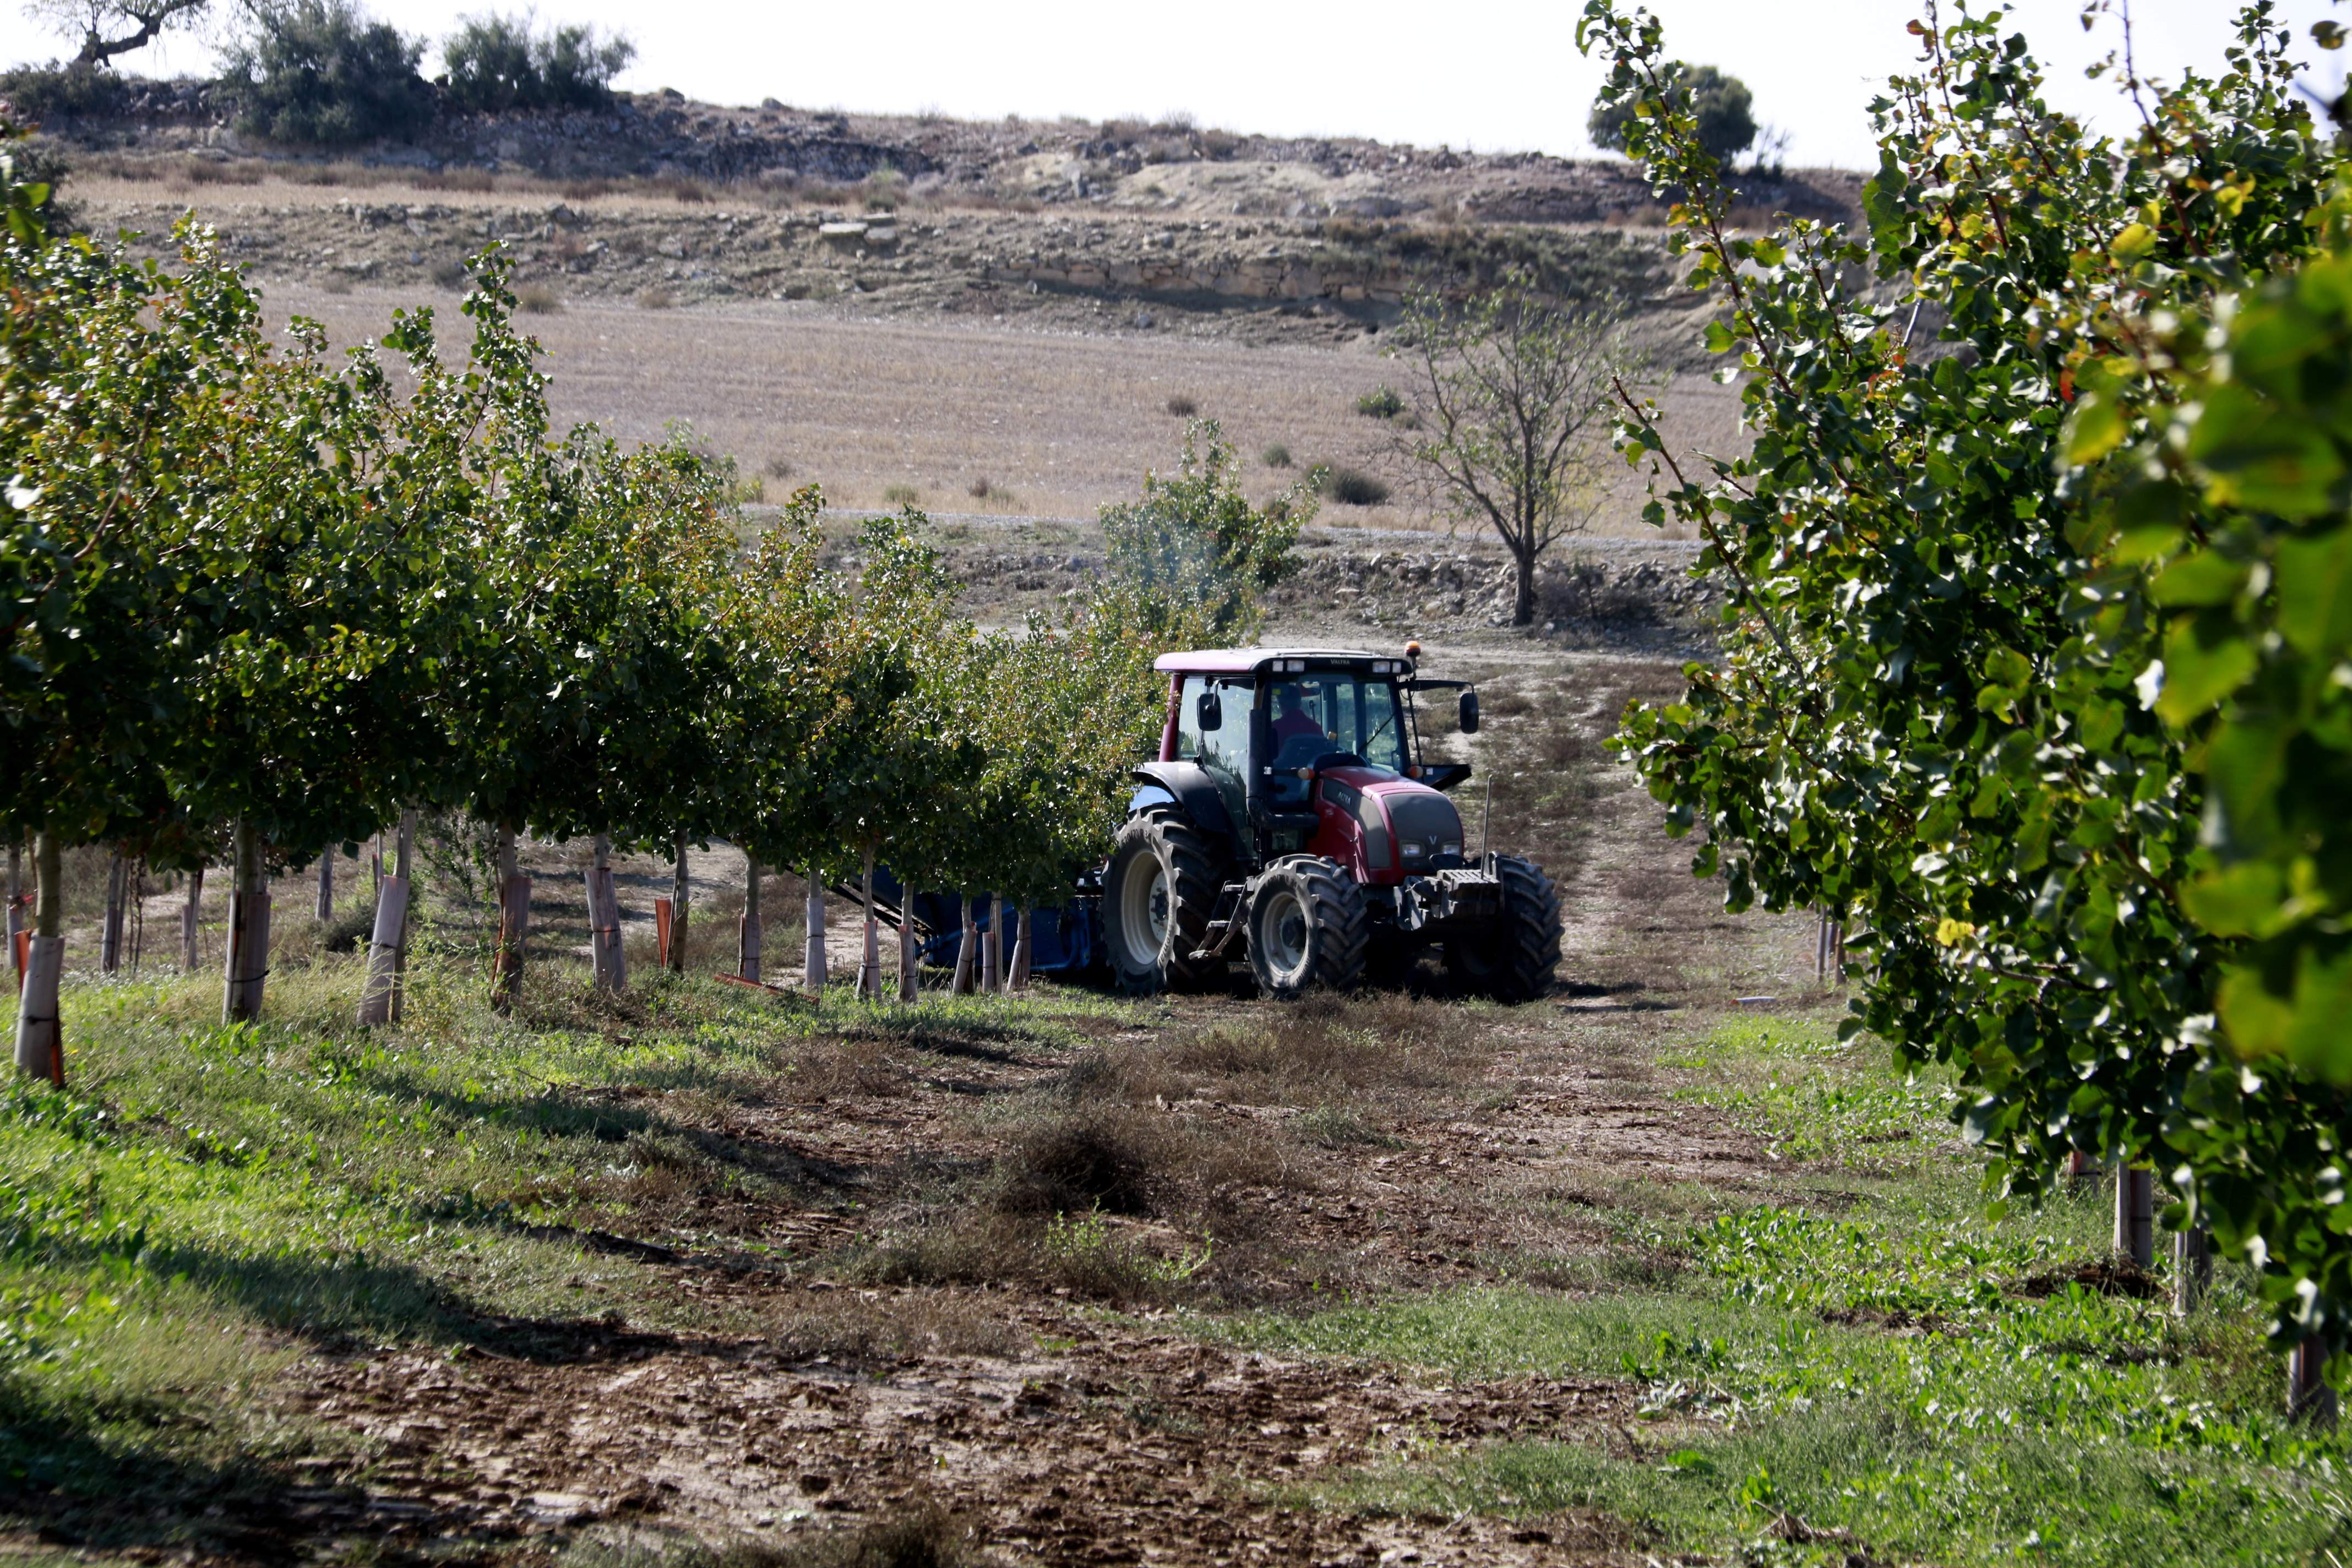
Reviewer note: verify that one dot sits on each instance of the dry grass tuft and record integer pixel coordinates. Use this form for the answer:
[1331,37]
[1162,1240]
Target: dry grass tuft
[1183,407]
[537,300]
[1098,1161]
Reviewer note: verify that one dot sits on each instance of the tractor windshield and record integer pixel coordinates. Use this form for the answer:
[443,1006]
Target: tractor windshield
[1336,711]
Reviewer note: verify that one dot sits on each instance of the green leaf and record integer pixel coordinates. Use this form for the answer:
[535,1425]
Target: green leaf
[2200,577]
[2205,659]
[2134,242]
[2314,592]
[2237,900]
[2095,429]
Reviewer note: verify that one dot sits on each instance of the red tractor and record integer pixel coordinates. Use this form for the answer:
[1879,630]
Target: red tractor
[1291,819]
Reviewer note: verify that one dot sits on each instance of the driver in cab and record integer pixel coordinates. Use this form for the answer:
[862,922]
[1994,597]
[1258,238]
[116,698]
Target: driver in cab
[1298,740]
[1291,718]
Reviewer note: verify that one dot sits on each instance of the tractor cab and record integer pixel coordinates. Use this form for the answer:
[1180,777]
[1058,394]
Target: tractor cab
[1311,751]
[1292,815]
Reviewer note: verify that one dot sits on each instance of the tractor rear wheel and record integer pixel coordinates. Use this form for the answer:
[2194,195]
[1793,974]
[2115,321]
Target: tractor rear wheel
[1307,926]
[1512,960]
[1159,892]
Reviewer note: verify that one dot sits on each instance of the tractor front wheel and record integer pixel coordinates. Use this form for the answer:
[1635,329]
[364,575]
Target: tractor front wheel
[1511,960]
[1307,926]
[1157,894]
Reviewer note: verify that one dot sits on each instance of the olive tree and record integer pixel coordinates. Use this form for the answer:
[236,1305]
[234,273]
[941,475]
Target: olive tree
[1511,394]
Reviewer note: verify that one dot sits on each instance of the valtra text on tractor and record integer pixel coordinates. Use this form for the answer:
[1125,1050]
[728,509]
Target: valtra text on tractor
[1290,820]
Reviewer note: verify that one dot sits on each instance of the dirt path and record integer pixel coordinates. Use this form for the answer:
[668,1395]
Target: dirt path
[1062,1430]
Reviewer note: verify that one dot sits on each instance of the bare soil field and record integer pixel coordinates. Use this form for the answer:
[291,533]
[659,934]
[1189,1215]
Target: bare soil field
[874,375]
[877,1336]
[1057,424]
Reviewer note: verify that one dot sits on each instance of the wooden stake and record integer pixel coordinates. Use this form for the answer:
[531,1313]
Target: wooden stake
[968,949]
[192,949]
[749,935]
[40,1039]
[674,950]
[992,947]
[2135,1215]
[326,911]
[812,961]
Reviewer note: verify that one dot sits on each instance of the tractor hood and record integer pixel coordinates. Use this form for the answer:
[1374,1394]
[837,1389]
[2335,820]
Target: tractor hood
[1417,829]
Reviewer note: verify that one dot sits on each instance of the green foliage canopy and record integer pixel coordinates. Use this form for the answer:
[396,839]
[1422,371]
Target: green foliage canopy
[1721,108]
[1194,540]
[2014,704]
[495,62]
[320,71]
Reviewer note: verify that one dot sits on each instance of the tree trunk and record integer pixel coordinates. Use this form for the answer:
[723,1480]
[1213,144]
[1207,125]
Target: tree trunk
[1523,600]
[604,921]
[992,947]
[869,961]
[192,951]
[514,924]
[678,890]
[407,879]
[967,949]
[2192,1267]
[909,965]
[748,934]
[109,934]
[18,939]
[2308,1397]
[327,885]
[1019,979]
[813,962]
[245,967]
[40,1042]
[379,996]
[2136,1214]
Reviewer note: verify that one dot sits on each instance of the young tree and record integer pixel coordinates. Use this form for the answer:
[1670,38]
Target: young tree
[2047,740]
[1195,541]
[1511,388]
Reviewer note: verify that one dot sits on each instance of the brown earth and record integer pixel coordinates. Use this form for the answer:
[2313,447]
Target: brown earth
[897,1349]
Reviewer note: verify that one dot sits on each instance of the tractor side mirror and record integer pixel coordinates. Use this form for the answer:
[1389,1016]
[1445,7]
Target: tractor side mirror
[1209,710]
[1469,712]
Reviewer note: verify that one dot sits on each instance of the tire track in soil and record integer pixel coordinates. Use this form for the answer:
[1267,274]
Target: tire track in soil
[1122,1445]
[1109,1440]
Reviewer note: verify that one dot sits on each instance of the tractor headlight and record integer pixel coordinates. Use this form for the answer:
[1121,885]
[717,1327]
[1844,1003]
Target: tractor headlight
[1411,851]
[1451,846]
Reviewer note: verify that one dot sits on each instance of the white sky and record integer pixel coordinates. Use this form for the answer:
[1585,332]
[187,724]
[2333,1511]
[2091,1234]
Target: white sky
[1495,75]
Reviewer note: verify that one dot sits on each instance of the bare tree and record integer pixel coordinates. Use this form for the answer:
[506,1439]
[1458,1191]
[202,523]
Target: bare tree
[1510,418]
[112,27]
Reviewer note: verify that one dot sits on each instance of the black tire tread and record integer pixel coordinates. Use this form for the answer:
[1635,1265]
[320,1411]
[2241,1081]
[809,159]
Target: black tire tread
[1531,928]
[1342,925]
[1194,884]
